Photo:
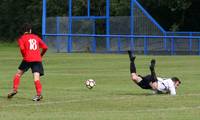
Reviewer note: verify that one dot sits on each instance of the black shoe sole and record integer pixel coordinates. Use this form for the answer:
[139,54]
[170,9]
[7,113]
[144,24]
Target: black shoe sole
[152,66]
[38,99]
[10,95]
[132,58]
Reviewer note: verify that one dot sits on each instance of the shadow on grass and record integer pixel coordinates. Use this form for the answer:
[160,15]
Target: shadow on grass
[137,94]
[15,98]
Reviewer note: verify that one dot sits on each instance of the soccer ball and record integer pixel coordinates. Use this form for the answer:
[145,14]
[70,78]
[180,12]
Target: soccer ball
[90,83]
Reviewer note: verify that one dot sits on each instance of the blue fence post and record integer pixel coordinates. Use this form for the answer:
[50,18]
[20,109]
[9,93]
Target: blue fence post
[108,25]
[88,9]
[57,32]
[119,44]
[165,42]
[172,46]
[94,38]
[69,47]
[199,46]
[145,46]
[190,42]
[44,13]
[132,24]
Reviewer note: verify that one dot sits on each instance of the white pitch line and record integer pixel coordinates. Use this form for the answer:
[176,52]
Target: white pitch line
[169,109]
[71,101]
[138,111]
[44,103]
[48,103]
[81,100]
[58,102]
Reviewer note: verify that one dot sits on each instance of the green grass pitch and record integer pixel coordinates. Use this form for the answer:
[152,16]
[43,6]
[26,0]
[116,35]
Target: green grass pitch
[115,97]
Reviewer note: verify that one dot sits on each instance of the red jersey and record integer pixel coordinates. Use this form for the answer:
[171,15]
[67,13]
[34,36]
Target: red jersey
[30,45]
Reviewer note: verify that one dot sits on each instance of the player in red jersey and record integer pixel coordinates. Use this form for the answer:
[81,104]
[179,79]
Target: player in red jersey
[30,45]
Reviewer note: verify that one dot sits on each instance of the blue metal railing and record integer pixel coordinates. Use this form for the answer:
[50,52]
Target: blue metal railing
[167,37]
[122,36]
[171,40]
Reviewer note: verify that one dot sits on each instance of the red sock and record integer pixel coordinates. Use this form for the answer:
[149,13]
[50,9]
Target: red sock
[38,87]
[16,81]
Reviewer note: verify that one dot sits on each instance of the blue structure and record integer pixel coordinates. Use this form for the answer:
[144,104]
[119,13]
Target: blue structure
[151,38]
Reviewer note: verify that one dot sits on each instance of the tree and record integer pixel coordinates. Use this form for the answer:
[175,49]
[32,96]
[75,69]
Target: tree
[14,13]
[170,13]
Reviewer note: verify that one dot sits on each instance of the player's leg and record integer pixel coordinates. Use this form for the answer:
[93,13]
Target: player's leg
[23,67]
[153,83]
[152,69]
[132,62]
[16,81]
[37,69]
[38,86]
[134,77]
[131,57]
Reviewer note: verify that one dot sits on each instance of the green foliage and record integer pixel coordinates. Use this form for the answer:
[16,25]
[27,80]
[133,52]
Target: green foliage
[17,12]
[120,7]
[175,11]
[170,13]
[57,8]
[79,8]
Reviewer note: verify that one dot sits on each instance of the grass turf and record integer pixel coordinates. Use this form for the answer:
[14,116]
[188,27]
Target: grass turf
[115,97]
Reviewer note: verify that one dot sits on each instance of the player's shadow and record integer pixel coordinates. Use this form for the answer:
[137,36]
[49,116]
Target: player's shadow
[137,94]
[15,98]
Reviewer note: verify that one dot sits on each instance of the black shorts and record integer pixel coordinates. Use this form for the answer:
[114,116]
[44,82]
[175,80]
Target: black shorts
[35,67]
[144,83]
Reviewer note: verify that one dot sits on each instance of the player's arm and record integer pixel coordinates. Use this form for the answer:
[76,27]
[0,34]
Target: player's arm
[44,47]
[22,52]
[21,46]
[43,51]
[172,89]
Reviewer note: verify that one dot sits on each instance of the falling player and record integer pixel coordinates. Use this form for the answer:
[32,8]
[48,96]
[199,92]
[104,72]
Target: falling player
[157,84]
